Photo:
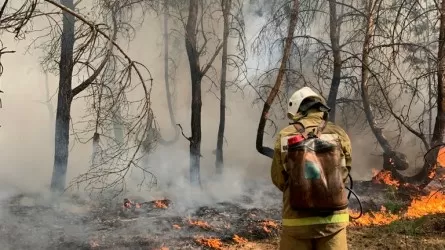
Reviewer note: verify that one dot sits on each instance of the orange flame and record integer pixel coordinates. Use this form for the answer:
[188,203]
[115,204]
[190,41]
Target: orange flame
[176,226]
[440,163]
[382,217]
[267,225]
[385,177]
[432,203]
[199,223]
[213,243]
[239,240]
[160,204]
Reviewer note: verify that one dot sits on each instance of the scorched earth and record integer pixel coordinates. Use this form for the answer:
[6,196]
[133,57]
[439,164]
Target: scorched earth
[393,219]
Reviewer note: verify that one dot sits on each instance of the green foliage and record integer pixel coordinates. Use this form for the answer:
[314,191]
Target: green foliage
[407,227]
[394,206]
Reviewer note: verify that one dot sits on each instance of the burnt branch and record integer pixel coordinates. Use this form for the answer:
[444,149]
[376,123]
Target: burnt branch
[182,132]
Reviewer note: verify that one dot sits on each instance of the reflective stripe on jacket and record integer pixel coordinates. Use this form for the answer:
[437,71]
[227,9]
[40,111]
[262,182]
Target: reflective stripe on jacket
[335,218]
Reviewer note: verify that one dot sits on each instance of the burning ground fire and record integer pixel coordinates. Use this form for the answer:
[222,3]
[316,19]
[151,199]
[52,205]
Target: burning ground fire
[128,204]
[268,225]
[211,242]
[224,226]
[216,243]
[384,177]
[432,203]
[201,224]
[208,226]
[163,225]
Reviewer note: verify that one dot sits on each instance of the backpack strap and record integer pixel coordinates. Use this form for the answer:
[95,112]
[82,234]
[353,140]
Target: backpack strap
[321,127]
[303,130]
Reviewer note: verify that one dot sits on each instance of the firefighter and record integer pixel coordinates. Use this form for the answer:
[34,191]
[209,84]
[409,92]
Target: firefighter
[309,229]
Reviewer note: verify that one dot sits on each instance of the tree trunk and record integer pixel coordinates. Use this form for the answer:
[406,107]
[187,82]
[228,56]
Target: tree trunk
[166,66]
[118,124]
[226,5]
[399,159]
[437,141]
[365,79]
[439,127]
[430,85]
[438,138]
[286,54]
[49,105]
[430,104]
[196,77]
[335,43]
[167,80]
[63,101]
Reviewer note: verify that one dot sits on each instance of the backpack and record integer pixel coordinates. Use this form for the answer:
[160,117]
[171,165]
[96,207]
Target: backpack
[315,170]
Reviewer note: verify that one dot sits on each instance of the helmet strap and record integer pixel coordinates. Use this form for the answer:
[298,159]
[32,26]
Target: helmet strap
[325,115]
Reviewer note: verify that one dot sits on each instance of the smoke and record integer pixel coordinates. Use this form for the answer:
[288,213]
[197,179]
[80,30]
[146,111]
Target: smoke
[28,133]
[27,137]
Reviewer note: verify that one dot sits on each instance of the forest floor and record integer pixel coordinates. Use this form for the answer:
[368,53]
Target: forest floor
[30,222]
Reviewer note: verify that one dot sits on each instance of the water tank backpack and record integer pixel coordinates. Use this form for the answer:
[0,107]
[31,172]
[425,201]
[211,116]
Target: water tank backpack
[316,170]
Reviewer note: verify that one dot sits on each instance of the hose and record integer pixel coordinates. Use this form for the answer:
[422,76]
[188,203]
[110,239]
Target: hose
[359,203]
[351,185]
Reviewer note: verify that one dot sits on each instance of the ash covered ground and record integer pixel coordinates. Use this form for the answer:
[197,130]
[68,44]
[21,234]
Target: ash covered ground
[32,221]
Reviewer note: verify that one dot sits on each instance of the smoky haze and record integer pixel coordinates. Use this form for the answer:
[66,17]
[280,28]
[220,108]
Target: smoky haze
[28,133]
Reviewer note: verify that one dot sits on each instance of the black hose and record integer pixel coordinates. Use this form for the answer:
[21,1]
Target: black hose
[359,203]
[351,185]
[266,151]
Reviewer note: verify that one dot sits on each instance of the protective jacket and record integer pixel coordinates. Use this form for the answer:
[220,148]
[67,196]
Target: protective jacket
[309,224]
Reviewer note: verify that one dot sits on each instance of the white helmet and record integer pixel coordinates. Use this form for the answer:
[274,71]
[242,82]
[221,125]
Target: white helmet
[297,98]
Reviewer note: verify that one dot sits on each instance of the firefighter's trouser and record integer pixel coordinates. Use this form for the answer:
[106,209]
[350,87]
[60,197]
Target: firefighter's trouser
[336,241]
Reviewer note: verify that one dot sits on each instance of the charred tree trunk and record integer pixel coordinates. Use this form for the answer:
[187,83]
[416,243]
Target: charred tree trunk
[335,43]
[196,77]
[226,5]
[392,159]
[365,79]
[67,93]
[195,140]
[439,127]
[286,54]
[63,101]
[430,85]
[438,138]
[430,104]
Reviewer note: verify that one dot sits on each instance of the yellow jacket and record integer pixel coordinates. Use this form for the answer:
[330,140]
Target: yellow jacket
[308,224]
